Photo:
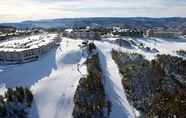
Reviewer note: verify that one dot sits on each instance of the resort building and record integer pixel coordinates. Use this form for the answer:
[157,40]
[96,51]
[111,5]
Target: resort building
[28,49]
[82,34]
[162,34]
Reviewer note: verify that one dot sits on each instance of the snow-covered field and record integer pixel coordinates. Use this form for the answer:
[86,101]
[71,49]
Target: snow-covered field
[164,46]
[53,79]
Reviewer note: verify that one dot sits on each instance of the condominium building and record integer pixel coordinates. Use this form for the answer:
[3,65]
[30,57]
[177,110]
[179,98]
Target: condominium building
[28,49]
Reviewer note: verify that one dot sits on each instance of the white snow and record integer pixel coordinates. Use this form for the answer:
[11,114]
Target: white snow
[31,42]
[112,79]
[2,89]
[54,94]
[112,84]
[54,77]
[164,46]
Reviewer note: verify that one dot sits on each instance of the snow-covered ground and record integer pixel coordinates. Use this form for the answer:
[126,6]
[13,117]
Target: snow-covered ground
[53,80]
[112,83]
[164,46]
[54,94]
[54,77]
[112,79]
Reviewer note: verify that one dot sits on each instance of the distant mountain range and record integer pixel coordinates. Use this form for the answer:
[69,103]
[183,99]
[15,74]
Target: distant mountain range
[4,27]
[138,22]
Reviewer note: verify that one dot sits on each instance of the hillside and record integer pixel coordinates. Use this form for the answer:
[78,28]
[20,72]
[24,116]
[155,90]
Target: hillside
[174,22]
[55,77]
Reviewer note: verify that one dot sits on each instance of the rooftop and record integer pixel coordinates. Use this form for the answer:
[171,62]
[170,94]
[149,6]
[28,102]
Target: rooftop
[31,42]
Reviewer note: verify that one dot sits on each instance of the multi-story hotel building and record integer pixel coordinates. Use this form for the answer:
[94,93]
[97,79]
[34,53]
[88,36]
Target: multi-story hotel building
[27,49]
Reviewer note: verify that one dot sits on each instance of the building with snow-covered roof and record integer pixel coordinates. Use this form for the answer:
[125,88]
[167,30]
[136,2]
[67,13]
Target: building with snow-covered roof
[163,34]
[82,34]
[27,49]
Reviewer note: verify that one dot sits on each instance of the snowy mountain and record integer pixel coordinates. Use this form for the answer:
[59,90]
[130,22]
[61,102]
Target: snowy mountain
[54,78]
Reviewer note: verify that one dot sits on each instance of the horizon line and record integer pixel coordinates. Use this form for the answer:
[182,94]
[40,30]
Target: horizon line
[35,20]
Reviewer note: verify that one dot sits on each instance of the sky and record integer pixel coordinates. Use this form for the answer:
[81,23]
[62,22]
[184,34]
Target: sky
[21,10]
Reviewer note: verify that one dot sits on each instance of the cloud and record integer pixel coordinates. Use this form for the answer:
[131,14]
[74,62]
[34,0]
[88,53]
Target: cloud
[19,10]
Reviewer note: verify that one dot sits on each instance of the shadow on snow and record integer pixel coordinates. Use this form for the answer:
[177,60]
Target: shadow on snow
[27,74]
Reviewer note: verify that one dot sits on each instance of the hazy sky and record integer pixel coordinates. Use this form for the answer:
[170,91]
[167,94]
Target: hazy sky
[19,10]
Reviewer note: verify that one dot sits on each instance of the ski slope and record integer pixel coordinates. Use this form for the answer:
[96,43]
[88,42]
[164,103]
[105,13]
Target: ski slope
[53,79]
[164,46]
[54,94]
[112,83]
[112,79]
